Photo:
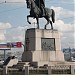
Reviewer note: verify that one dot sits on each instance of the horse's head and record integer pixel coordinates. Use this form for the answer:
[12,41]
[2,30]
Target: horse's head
[28,3]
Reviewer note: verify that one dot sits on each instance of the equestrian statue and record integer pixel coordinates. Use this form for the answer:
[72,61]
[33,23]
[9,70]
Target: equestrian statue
[38,10]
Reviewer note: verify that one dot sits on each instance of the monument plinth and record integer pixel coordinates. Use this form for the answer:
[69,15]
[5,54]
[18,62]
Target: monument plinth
[42,46]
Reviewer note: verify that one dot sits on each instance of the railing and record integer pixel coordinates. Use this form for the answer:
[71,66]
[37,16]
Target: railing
[14,72]
[38,71]
[55,70]
[61,69]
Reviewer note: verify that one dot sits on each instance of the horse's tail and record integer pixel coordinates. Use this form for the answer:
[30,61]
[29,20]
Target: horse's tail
[53,15]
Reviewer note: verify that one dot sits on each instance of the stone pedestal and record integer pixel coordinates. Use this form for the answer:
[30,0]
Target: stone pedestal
[42,46]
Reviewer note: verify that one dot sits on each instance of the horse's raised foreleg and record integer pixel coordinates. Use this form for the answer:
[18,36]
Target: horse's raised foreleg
[28,19]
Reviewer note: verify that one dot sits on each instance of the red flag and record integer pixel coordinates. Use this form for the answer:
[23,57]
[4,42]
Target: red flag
[18,44]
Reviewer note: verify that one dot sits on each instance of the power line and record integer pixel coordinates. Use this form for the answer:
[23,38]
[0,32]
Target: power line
[45,2]
[9,2]
[14,2]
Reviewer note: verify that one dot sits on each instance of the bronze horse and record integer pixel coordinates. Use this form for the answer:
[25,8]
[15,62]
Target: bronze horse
[36,12]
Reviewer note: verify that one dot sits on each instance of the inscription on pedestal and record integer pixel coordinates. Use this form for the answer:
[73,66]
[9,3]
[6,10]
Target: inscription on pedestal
[48,44]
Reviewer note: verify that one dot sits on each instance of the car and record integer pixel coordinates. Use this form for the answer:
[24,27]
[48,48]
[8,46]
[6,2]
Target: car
[1,61]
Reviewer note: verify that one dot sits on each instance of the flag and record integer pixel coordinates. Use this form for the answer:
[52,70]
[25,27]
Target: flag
[18,44]
[3,45]
[15,45]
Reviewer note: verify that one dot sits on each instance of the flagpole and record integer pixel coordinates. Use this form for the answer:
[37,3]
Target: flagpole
[4,55]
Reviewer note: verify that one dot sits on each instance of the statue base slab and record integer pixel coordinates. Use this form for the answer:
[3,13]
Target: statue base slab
[42,46]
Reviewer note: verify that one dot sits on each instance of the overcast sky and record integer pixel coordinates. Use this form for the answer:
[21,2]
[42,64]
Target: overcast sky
[13,22]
